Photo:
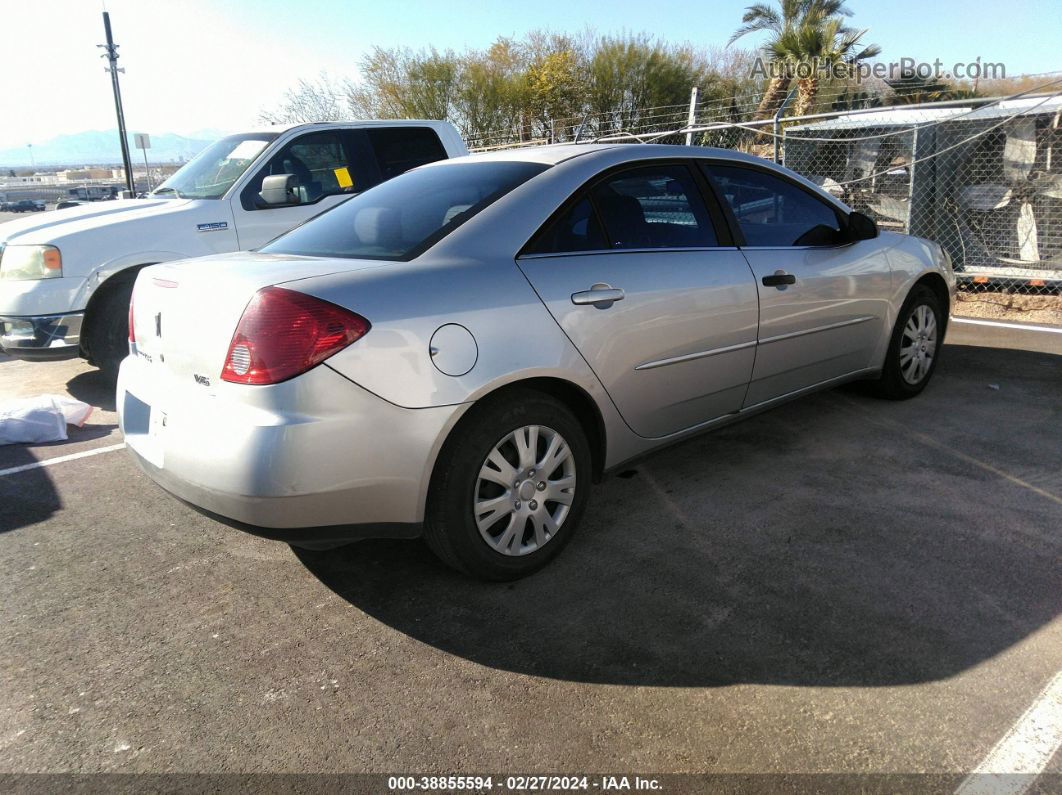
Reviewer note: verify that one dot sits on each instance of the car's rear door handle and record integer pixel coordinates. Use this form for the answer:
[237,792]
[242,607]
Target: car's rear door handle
[778,279]
[600,295]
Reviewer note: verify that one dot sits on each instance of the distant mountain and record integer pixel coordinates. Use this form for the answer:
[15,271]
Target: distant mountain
[101,147]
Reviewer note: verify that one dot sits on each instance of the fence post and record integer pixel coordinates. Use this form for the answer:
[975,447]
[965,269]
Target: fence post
[778,125]
[693,115]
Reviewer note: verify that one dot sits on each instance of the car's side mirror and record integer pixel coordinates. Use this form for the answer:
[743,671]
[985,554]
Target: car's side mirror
[861,227]
[279,190]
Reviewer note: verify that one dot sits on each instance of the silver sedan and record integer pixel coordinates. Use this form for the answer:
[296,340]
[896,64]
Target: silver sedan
[460,352]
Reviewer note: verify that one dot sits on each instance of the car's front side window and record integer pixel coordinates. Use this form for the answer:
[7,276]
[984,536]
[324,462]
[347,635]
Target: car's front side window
[774,212]
[321,163]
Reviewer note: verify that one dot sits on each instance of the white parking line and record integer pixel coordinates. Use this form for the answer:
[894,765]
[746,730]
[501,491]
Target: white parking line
[1012,766]
[1001,324]
[61,459]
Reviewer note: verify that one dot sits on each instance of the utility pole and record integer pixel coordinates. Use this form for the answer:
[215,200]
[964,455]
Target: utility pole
[112,57]
[33,163]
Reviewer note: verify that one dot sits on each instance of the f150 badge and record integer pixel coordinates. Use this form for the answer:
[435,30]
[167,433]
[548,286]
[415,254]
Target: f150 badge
[213,226]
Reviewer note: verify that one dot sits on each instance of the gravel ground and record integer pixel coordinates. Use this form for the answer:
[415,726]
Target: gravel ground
[1010,307]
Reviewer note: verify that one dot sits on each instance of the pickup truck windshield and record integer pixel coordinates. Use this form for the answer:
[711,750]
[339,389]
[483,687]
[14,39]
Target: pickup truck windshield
[403,217]
[210,173]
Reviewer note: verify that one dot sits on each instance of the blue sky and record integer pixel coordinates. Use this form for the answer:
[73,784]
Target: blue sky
[214,64]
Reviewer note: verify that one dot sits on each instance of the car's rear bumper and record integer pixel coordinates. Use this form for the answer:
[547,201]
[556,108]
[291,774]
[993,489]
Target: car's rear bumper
[322,536]
[41,338]
[312,460]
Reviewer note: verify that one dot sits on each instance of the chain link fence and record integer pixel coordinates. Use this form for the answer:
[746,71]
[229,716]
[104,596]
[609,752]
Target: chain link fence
[984,182]
[981,176]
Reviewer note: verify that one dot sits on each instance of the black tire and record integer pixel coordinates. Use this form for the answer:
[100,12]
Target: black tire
[450,527]
[893,385]
[108,337]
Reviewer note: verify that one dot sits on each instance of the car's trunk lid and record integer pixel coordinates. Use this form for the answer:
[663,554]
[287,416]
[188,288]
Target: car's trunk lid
[186,312]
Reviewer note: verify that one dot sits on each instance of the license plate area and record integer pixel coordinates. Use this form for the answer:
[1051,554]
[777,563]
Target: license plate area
[144,428]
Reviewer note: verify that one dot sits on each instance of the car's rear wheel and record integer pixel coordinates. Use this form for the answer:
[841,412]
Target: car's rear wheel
[510,487]
[914,348]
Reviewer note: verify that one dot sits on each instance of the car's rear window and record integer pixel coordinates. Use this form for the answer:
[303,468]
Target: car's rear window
[403,217]
[398,149]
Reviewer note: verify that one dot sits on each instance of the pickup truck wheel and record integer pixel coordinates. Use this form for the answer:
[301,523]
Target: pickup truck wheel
[108,337]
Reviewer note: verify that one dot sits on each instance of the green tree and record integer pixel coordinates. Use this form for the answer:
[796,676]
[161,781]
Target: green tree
[491,93]
[554,81]
[541,87]
[400,83]
[634,82]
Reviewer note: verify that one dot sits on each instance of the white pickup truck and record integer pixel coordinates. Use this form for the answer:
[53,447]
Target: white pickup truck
[66,276]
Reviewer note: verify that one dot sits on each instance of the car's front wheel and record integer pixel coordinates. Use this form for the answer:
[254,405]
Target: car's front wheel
[108,337]
[510,486]
[914,348]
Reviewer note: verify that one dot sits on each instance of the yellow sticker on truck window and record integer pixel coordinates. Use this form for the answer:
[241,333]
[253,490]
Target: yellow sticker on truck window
[343,177]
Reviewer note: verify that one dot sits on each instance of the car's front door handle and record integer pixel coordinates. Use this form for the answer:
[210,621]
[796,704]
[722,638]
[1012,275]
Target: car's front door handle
[778,279]
[600,295]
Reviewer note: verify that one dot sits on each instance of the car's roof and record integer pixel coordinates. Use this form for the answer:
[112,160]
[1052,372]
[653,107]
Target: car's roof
[283,128]
[553,154]
[548,155]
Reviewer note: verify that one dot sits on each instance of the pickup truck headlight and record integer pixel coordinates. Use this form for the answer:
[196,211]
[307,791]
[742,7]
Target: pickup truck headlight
[30,262]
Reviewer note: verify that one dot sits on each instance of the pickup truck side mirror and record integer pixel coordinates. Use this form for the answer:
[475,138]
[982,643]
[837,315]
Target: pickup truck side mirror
[861,227]
[279,189]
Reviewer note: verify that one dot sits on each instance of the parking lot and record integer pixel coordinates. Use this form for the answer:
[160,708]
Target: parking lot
[839,585]
[6,216]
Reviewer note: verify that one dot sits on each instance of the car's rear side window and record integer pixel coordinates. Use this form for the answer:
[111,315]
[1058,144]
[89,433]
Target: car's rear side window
[654,207]
[403,217]
[647,206]
[576,229]
[398,149]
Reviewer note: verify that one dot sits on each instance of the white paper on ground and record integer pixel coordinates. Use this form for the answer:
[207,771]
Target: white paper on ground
[42,418]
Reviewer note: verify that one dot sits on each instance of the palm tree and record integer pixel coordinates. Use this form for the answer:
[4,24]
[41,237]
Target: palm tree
[817,45]
[782,22]
[910,88]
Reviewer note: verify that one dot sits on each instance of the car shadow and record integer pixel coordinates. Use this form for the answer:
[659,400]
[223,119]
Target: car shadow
[28,496]
[835,541]
[94,388]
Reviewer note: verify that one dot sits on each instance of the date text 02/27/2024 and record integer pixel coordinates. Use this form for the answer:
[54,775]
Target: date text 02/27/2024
[520,783]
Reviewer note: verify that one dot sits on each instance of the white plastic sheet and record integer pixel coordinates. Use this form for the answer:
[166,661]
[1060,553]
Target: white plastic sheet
[42,418]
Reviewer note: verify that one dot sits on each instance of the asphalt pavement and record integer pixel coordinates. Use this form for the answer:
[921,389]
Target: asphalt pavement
[841,585]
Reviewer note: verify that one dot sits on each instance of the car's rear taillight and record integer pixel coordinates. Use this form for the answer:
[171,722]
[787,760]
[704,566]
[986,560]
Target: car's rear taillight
[284,333]
[132,334]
